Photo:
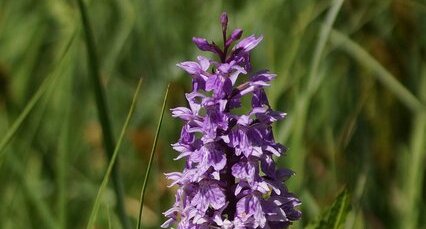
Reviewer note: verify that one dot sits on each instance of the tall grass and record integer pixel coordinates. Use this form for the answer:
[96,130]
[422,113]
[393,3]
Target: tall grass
[351,76]
[151,159]
[112,161]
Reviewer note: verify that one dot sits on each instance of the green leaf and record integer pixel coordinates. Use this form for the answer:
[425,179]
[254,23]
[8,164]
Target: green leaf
[335,216]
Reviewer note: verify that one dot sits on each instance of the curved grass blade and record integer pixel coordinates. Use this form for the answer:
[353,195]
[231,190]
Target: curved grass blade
[105,180]
[50,79]
[383,75]
[151,158]
[101,104]
[30,183]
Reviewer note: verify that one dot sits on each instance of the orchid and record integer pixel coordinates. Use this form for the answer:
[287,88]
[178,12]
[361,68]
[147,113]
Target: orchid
[230,179]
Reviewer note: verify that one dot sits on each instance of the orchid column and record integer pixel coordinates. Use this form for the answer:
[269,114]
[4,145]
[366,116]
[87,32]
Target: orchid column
[230,179]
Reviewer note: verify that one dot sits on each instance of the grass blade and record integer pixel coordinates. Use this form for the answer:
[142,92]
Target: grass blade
[101,104]
[63,154]
[383,75]
[415,166]
[50,79]
[104,183]
[151,158]
[323,38]
[30,184]
[301,108]
[335,216]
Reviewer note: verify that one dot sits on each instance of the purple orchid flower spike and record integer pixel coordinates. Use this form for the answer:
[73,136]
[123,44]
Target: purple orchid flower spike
[230,179]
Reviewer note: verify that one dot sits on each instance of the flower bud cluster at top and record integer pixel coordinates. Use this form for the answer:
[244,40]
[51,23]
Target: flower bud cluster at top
[230,179]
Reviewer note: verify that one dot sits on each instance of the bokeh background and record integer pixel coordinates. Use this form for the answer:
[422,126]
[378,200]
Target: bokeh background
[351,76]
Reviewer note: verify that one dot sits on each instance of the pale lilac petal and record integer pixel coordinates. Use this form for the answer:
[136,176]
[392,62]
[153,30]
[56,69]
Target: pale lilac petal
[168,223]
[248,43]
[182,112]
[190,67]
[204,62]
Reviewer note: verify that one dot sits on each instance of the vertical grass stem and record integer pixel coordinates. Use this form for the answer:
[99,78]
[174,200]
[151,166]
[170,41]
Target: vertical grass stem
[151,158]
[109,170]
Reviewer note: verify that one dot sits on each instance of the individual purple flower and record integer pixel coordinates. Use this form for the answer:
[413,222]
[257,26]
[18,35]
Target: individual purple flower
[230,179]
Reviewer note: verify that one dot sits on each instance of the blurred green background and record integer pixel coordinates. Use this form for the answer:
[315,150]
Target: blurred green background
[351,76]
